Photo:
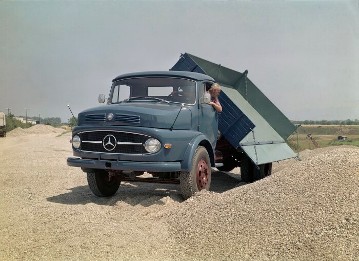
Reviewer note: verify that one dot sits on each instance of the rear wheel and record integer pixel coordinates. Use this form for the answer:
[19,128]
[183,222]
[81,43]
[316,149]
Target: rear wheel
[251,172]
[261,171]
[268,169]
[199,177]
[101,183]
[246,170]
[228,164]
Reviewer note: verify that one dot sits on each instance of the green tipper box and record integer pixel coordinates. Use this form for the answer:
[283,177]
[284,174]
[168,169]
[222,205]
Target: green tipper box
[266,142]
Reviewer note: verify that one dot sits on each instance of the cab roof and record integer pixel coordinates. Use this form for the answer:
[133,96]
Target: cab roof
[182,74]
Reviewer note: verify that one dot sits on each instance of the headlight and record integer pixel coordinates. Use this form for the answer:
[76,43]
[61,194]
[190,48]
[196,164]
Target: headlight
[76,141]
[152,145]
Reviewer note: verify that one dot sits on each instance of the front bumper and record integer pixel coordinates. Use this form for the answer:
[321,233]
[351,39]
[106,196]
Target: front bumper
[124,165]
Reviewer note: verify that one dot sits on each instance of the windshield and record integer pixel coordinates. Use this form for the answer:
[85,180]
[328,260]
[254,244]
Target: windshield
[154,89]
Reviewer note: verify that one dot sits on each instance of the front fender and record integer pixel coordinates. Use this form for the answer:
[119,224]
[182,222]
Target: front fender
[200,140]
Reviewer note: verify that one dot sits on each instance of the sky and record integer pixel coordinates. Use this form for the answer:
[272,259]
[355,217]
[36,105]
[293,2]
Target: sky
[303,55]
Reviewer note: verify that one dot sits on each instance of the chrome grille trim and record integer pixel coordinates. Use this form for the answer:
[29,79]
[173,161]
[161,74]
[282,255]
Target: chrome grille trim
[95,117]
[127,142]
[118,118]
[90,141]
[125,118]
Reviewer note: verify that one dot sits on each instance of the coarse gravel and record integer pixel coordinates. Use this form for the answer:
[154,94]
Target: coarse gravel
[307,210]
[36,129]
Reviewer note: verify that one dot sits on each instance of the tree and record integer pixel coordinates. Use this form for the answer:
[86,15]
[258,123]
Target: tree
[53,121]
[72,122]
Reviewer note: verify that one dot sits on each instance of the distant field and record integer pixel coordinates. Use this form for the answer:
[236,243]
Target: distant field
[323,136]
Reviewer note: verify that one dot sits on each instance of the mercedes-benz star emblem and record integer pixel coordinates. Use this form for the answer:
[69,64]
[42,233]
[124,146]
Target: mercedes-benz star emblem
[109,142]
[110,116]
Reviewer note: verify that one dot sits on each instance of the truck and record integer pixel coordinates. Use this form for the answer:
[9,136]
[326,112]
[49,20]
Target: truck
[160,123]
[2,124]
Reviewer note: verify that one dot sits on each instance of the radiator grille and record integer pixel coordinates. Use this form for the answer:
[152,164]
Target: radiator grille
[95,117]
[128,143]
[118,118]
[123,118]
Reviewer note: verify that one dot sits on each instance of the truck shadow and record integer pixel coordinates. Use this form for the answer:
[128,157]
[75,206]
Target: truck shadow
[139,193]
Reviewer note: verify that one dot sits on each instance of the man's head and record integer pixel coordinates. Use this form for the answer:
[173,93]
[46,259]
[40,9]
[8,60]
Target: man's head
[215,89]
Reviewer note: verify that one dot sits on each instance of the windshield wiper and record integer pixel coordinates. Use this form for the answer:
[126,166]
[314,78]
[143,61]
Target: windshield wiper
[146,98]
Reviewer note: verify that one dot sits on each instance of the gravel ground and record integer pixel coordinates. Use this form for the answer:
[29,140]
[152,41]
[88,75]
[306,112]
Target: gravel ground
[307,210]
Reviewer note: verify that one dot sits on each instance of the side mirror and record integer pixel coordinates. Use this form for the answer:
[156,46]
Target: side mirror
[101,98]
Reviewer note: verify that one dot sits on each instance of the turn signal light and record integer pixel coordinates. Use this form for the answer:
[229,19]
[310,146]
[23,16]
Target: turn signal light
[167,146]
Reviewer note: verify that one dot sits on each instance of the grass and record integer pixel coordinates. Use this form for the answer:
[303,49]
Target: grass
[314,136]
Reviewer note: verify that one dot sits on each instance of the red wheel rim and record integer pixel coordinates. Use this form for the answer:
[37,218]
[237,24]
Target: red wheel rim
[202,174]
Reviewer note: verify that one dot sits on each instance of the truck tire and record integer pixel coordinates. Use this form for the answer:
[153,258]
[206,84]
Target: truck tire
[101,184]
[268,169]
[246,170]
[263,171]
[228,164]
[258,172]
[199,177]
[250,172]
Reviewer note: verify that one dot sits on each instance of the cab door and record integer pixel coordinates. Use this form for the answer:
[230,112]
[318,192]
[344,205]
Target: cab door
[208,117]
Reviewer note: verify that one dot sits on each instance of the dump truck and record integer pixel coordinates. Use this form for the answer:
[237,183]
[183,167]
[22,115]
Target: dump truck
[2,124]
[158,127]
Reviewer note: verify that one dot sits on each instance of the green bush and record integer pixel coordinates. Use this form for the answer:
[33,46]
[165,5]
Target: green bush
[12,123]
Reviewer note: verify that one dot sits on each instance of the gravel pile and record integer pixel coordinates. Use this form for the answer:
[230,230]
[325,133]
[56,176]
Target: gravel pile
[16,132]
[36,129]
[308,210]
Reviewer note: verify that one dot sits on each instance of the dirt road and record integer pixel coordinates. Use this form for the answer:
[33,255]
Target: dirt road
[307,210]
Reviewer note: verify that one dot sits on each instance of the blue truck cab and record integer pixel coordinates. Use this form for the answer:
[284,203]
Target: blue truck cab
[154,122]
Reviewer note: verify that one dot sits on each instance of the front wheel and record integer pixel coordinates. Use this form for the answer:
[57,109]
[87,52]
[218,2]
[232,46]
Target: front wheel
[101,183]
[199,177]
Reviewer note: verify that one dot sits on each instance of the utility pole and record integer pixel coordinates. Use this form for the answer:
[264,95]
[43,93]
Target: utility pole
[26,115]
[8,111]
